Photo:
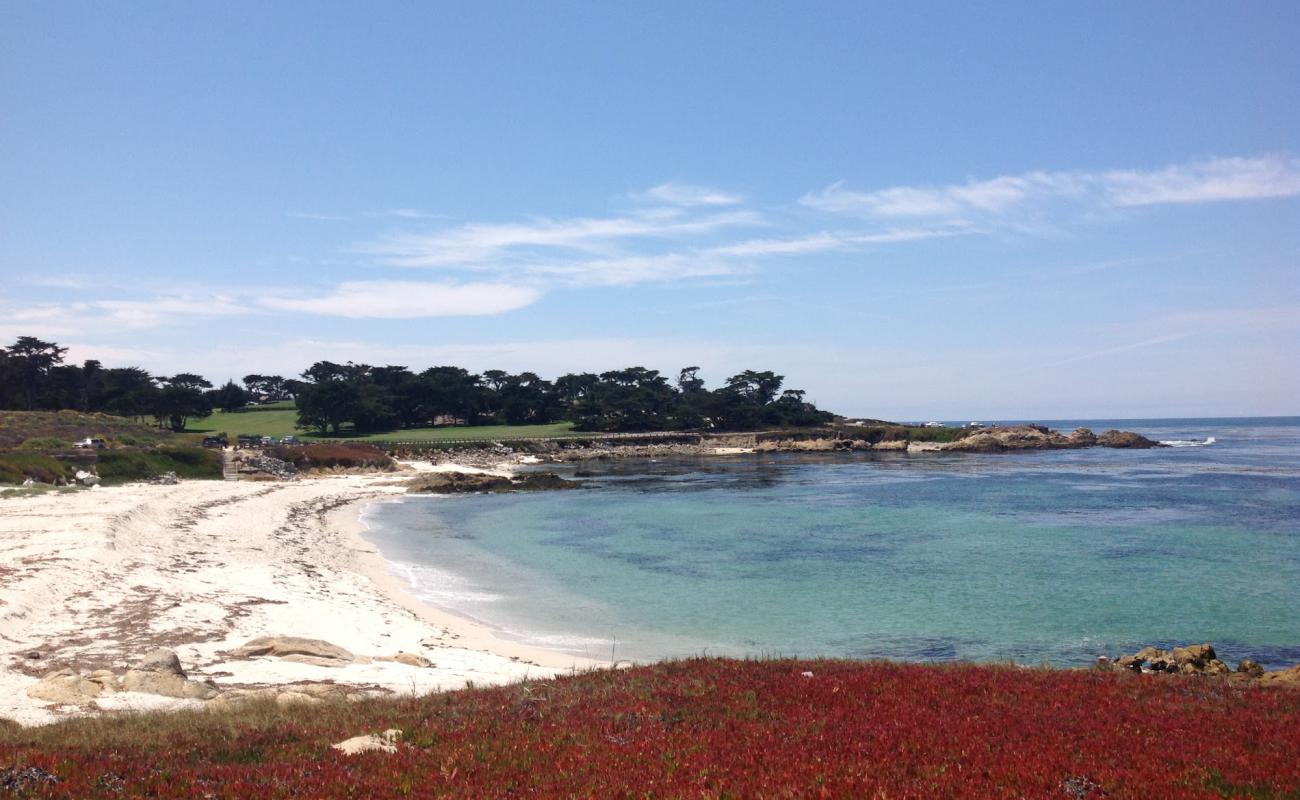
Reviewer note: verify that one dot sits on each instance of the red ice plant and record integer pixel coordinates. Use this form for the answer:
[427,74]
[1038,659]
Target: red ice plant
[720,728]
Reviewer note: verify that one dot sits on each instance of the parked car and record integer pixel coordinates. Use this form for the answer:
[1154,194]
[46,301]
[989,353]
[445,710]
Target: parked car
[267,441]
[91,444]
[248,440]
[290,440]
[214,441]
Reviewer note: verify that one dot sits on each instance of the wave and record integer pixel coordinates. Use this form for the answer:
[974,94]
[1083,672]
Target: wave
[1187,442]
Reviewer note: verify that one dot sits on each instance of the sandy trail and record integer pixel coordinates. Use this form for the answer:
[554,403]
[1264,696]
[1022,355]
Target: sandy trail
[98,578]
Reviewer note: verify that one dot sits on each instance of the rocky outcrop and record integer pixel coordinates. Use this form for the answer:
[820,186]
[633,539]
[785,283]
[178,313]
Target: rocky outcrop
[160,673]
[296,648]
[1038,437]
[1201,659]
[466,482]
[1125,439]
[67,687]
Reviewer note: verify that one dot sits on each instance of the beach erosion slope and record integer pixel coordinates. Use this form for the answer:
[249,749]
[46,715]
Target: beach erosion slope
[98,579]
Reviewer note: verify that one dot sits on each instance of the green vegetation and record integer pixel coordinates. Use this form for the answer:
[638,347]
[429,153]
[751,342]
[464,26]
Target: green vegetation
[124,466]
[279,421]
[941,435]
[18,467]
[386,402]
[57,430]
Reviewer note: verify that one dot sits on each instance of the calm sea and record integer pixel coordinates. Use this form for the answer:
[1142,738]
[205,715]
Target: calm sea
[1035,557]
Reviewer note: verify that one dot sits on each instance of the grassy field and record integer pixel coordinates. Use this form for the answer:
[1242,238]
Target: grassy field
[706,728]
[277,419]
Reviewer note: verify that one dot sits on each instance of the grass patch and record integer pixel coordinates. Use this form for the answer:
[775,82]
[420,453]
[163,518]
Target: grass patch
[278,420]
[18,467]
[58,428]
[942,435]
[124,466]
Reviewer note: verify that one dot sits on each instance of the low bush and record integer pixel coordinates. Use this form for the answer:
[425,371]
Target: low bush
[124,466]
[41,443]
[346,456]
[712,728]
[18,467]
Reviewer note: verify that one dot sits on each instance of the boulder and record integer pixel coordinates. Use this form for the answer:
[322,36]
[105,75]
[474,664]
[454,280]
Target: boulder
[1125,439]
[409,659]
[283,646]
[1081,437]
[65,687]
[386,742]
[1250,668]
[160,673]
[1286,677]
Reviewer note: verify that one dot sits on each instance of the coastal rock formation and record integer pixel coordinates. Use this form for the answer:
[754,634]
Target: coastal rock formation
[1201,659]
[296,648]
[465,482]
[1015,437]
[160,673]
[1125,439]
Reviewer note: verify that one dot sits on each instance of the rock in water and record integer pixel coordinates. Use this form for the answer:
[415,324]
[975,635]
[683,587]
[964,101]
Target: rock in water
[465,482]
[1125,439]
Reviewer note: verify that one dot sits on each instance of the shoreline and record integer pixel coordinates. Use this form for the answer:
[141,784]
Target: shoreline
[99,578]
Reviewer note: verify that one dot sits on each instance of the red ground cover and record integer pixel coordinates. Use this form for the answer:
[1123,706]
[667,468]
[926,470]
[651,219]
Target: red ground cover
[723,728]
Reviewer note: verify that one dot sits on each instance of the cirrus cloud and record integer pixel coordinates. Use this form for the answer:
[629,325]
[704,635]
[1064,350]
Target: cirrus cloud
[410,299]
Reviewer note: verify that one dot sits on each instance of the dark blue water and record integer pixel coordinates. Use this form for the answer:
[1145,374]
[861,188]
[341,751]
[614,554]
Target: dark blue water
[1033,557]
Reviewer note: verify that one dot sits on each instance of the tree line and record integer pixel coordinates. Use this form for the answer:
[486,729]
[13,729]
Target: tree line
[330,397]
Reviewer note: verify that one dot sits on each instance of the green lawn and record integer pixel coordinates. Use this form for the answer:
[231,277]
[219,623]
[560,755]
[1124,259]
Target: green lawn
[278,419]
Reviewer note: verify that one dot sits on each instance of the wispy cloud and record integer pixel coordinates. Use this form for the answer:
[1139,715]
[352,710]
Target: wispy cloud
[1213,180]
[685,194]
[409,299]
[476,243]
[315,216]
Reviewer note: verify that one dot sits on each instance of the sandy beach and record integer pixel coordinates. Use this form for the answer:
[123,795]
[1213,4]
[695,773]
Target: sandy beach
[96,579]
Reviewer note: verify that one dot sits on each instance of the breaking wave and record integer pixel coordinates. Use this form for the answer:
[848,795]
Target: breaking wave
[1187,442]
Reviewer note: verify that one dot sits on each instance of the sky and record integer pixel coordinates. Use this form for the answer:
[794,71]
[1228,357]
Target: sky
[912,211]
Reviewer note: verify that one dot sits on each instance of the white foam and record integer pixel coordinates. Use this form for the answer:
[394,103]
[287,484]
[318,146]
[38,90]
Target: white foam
[1187,442]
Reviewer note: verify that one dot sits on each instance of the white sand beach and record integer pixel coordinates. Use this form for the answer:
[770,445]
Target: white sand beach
[96,579]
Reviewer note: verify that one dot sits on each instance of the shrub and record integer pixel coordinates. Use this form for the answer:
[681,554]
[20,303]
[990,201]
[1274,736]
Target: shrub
[18,467]
[124,466]
[348,456]
[44,443]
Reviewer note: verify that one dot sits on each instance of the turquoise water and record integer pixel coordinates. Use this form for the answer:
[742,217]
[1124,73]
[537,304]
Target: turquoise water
[1036,557]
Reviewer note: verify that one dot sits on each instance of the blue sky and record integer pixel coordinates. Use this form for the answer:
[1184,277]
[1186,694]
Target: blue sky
[946,211]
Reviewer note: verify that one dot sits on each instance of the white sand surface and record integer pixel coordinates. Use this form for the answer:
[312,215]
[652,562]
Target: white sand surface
[96,579]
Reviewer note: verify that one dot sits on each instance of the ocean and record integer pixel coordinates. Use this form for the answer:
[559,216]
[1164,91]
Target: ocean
[1051,557]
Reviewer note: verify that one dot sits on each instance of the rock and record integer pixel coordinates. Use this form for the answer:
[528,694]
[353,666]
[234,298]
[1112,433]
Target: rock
[386,742]
[1289,676]
[1081,437]
[282,646]
[65,687]
[160,673]
[1250,668]
[465,482]
[409,659]
[86,478]
[1125,439]
[1216,667]
[163,479]
[291,698]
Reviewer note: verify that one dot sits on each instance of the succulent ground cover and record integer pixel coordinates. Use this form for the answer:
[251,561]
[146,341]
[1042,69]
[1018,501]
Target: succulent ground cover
[709,728]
